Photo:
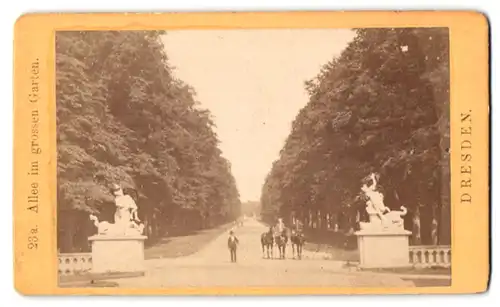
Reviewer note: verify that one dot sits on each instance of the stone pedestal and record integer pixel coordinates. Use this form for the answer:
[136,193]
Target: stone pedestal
[384,248]
[117,254]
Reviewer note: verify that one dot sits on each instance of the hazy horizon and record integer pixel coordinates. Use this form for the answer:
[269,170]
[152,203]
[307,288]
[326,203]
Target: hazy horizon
[252,81]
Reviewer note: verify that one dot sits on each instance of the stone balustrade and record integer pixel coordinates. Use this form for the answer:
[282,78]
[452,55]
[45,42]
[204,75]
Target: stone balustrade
[422,256]
[425,256]
[74,263]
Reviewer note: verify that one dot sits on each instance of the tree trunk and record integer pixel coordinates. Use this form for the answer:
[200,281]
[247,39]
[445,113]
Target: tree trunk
[309,219]
[426,224]
[445,225]
[416,235]
[147,227]
[444,212]
[67,222]
[334,221]
[434,227]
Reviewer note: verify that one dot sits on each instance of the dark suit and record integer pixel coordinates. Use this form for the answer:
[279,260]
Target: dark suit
[232,244]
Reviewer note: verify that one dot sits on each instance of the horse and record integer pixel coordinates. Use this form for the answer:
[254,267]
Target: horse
[281,240]
[298,239]
[267,242]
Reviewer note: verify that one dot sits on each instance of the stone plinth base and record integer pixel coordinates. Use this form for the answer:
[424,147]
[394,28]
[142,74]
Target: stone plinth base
[383,249]
[112,254]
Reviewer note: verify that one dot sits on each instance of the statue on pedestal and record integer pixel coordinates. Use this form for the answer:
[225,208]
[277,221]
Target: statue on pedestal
[383,241]
[127,221]
[381,217]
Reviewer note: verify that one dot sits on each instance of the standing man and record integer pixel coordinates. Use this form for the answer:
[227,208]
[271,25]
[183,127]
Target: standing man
[232,244]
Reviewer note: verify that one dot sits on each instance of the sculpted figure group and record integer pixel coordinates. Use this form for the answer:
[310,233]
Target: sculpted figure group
[381,217]
[127,221]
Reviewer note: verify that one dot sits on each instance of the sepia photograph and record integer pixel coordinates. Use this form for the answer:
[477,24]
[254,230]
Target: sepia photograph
[207,158]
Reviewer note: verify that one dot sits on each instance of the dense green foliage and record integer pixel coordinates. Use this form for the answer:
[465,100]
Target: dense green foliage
[123,117]
[381,106]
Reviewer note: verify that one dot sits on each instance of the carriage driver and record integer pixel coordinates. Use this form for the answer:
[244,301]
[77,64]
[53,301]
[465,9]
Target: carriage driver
[280,226]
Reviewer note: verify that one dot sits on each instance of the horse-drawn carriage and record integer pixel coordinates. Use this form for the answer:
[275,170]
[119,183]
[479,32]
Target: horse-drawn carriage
[280,235]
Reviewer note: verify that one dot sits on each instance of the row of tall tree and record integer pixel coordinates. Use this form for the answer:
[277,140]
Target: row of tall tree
[381,106]
[123,117]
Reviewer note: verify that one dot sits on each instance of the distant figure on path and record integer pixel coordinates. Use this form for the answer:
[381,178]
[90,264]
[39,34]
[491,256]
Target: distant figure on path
[232,244]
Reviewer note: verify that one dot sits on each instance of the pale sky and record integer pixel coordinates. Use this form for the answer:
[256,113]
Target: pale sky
[252,81]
